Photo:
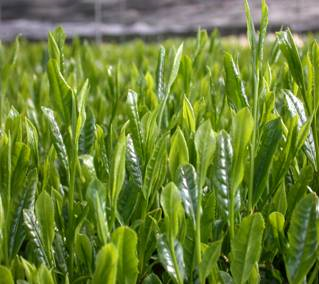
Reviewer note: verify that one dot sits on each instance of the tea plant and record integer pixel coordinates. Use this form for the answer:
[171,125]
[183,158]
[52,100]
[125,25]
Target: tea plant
[135,163]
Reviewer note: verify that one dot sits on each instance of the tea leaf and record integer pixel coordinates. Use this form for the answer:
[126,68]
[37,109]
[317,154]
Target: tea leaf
[125,240]
[246,247]
[302,238]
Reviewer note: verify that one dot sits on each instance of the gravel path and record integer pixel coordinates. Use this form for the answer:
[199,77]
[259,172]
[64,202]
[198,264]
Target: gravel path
[147,18]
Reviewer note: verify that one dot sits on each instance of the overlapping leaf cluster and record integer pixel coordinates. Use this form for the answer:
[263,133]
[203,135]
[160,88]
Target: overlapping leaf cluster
[135,163]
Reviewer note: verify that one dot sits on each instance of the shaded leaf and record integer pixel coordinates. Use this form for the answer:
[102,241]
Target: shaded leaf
[24,201]
[302,239]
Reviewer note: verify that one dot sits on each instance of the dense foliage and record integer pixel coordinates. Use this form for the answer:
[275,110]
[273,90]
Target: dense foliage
[136,163]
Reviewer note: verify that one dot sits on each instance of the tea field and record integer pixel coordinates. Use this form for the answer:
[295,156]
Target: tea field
[189,161]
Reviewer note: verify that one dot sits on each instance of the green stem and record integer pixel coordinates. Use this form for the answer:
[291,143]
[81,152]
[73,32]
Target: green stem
[315,135]
[232,217]
[8,201]
[112,221]
[314,274]
[1,99]
[198,229]
[1,111]
[254,138]
[179,279]
[71,209]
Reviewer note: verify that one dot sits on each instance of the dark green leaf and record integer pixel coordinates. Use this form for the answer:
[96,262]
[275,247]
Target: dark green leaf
[271,136]
[210,257]
[87,136]
[83,249]
[299,188]
[24,201]
[61,93]
[290,51]
[156,168]
[20,162]
[152,279]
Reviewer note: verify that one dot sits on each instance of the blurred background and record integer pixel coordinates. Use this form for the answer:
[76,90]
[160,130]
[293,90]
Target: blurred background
[124,19]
